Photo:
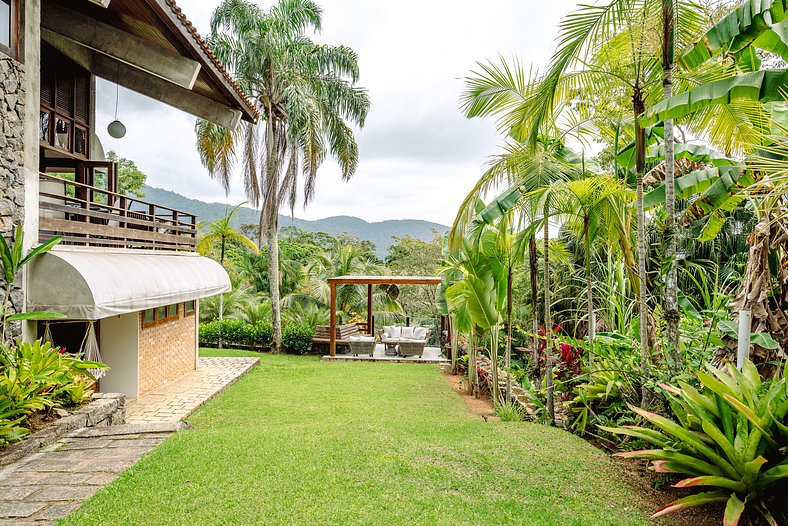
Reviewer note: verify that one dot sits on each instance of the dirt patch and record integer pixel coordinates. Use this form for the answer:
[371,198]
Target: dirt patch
[481,407]
[654,491]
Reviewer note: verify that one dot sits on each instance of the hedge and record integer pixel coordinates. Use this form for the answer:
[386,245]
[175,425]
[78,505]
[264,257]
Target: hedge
[236,333]
[296,337]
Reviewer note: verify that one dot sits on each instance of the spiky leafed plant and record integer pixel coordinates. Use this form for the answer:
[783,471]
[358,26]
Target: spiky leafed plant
[307,96]
[730,436]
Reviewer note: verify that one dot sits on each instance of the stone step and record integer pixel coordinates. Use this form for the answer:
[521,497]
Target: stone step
[129,429]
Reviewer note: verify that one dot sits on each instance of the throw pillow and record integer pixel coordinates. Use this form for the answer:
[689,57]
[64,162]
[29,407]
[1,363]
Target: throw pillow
[407,332]
[396,332]
[420,333]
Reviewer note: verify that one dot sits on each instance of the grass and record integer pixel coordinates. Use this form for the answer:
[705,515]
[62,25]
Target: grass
[299,441]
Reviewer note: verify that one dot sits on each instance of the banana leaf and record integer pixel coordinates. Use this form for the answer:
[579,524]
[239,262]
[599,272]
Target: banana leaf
[735,31]
[764,86]
[693,183]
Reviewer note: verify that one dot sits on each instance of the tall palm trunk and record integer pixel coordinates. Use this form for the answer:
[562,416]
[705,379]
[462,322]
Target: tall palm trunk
[509,335]
[269,220]
[640,160]
[548,322]
[589,291]
[672,314]
[534,274]
[272,241]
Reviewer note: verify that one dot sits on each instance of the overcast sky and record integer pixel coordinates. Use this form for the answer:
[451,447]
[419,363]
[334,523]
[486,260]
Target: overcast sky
[418,155]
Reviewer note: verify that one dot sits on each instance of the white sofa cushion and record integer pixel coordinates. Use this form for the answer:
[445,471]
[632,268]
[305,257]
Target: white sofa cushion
[396,332]
[407,332]
[420,333]
[366,339]
[386,331]
[355,338]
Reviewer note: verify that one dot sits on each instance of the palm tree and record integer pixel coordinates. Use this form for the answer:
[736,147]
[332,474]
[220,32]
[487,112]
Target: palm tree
[590,206]
[221,231]
[307,98]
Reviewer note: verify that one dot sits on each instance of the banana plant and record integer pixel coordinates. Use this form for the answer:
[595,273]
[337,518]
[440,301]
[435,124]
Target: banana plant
[730,436]
[11,261]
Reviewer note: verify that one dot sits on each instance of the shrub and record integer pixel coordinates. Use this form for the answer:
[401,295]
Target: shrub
[730,436]
[510,411]
[210,333]
[36,376]
[297,337]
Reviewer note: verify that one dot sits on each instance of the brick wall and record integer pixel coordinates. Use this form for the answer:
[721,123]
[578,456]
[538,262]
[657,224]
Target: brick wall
[166,351]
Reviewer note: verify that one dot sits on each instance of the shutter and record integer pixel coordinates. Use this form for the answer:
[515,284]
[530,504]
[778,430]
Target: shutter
[64,94]
[82,97]
[47,89]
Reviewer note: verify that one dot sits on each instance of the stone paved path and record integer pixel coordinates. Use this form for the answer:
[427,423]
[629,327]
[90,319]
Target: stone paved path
[50,484]
[45,486]
[177,400]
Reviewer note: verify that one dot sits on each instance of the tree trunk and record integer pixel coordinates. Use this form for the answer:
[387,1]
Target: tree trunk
[534,275]
[672,314]
[589,292]
[221,298]
[272,240]
[509,336]
[548,322]
[640,161]
[472,362]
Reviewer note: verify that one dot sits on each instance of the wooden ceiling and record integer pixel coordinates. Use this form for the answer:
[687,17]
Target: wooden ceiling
[161,23]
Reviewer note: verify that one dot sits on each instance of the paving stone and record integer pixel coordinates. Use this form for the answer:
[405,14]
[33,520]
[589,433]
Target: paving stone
[58,493]
[19,509]
[16,493]
[57,511]
[102,479]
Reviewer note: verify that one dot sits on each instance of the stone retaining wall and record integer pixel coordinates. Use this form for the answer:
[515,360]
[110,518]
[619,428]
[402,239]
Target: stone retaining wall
[105,409]
[484,365]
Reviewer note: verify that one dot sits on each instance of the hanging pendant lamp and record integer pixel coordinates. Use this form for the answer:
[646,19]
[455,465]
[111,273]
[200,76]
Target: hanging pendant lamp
[116,129]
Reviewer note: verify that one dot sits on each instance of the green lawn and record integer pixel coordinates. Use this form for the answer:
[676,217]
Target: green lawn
[298,441]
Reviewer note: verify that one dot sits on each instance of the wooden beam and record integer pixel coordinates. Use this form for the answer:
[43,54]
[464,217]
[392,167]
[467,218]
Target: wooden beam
[122,46]
[102,3]
[144,83]
[332,336]
[369,310]
[385,280]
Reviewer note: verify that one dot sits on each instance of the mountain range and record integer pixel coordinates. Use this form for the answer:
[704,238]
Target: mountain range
[379,232]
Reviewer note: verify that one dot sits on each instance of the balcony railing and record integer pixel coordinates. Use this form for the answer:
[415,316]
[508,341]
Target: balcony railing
[88,216]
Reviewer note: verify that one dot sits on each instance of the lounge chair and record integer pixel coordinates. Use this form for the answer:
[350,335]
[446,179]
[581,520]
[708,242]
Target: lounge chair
[362,345]
[405,341]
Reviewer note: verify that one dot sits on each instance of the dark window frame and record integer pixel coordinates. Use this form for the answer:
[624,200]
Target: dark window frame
[186,311]
[74,74]
[13,50]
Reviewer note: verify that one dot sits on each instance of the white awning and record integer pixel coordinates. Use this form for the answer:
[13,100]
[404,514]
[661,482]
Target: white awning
[91,284]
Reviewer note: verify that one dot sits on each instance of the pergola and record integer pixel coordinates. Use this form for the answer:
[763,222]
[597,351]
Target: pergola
[369,281]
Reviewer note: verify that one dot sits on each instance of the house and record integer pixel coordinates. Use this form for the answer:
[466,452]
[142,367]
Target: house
[126,271]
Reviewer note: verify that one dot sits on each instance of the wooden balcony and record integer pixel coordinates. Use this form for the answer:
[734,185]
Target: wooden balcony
[89,216]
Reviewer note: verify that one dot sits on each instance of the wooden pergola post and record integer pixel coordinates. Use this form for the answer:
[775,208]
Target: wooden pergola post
[332,346]
[369,309]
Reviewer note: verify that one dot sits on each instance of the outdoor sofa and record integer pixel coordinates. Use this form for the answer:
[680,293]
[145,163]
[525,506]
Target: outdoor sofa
[404,341]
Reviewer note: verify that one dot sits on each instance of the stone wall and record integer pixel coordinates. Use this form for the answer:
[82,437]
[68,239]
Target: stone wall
[12,154]
[166,351]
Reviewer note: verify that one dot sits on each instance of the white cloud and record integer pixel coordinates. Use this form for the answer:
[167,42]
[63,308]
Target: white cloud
[419,155]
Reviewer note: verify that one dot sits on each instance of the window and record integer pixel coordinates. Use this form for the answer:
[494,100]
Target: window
[189,307]
[8,27]
[65,103]
[159,315]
